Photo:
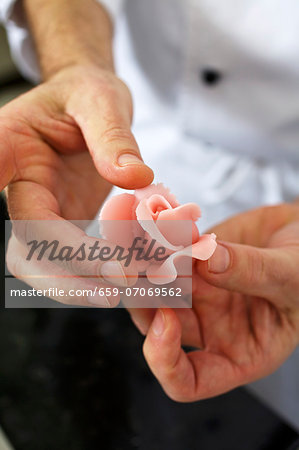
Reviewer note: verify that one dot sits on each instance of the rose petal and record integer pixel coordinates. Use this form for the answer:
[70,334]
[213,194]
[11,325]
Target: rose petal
[205,247]
[116,209]
[144,217]
[182,232]
[157,203]
[159,217]
[160,189]
[167,271]
[189,211]
[119,207]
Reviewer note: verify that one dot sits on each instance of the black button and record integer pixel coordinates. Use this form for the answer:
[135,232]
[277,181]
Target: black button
[210,76]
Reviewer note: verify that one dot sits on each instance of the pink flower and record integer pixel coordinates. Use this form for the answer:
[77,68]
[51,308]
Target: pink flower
[153,213]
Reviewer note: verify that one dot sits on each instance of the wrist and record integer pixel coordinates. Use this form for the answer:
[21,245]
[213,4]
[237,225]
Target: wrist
[76,74]
[77,68]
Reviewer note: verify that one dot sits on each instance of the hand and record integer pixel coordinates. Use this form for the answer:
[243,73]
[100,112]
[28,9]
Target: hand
[245,314]
[63,145]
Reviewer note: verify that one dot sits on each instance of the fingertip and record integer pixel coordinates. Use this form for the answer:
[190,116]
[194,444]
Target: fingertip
[165,357]
[220,261]
[142,318]
[165,328]
[218,265]
[154,341]
[241,268]
[131,176]
[99,300]
[159,324]
[134,176]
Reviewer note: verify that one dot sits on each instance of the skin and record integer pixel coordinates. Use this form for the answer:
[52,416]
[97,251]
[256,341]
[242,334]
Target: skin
[62,144]
[59,156]
[245,319]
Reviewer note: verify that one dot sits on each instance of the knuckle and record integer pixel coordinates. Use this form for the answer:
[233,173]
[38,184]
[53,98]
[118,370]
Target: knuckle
[284,275]
[116,133]
[256,269]
[283,214]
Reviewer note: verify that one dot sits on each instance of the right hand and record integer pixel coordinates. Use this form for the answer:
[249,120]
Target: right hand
[62,147]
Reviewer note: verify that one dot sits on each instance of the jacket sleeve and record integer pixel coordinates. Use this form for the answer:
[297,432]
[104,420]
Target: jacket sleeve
[19,39]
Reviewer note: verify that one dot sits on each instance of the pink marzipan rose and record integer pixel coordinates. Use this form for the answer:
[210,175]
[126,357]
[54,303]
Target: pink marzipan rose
[153,213]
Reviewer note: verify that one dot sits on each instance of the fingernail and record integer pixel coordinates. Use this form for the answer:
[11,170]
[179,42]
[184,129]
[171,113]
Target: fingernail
[112,272]
[143,330]
[220,261]
[128,159]
[158,325]
[99,300]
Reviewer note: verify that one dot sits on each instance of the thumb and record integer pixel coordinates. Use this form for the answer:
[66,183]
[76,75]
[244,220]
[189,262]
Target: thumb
[166,359]
[261,272]
[105,122]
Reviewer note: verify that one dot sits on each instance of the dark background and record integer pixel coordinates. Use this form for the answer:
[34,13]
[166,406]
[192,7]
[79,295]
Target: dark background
[76,378]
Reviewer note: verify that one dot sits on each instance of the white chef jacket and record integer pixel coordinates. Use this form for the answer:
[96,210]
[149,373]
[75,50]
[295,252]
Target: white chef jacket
[216,91]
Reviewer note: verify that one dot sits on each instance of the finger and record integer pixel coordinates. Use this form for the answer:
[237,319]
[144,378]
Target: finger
[191,335]
[105,122]
[44,233]
[142,318]
[255,226]
[187,377]
[165,357]
[56,283]
[190,325]
[261,272]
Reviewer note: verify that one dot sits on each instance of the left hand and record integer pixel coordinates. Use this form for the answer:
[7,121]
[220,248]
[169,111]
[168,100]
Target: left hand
[245,313]
[60,145]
